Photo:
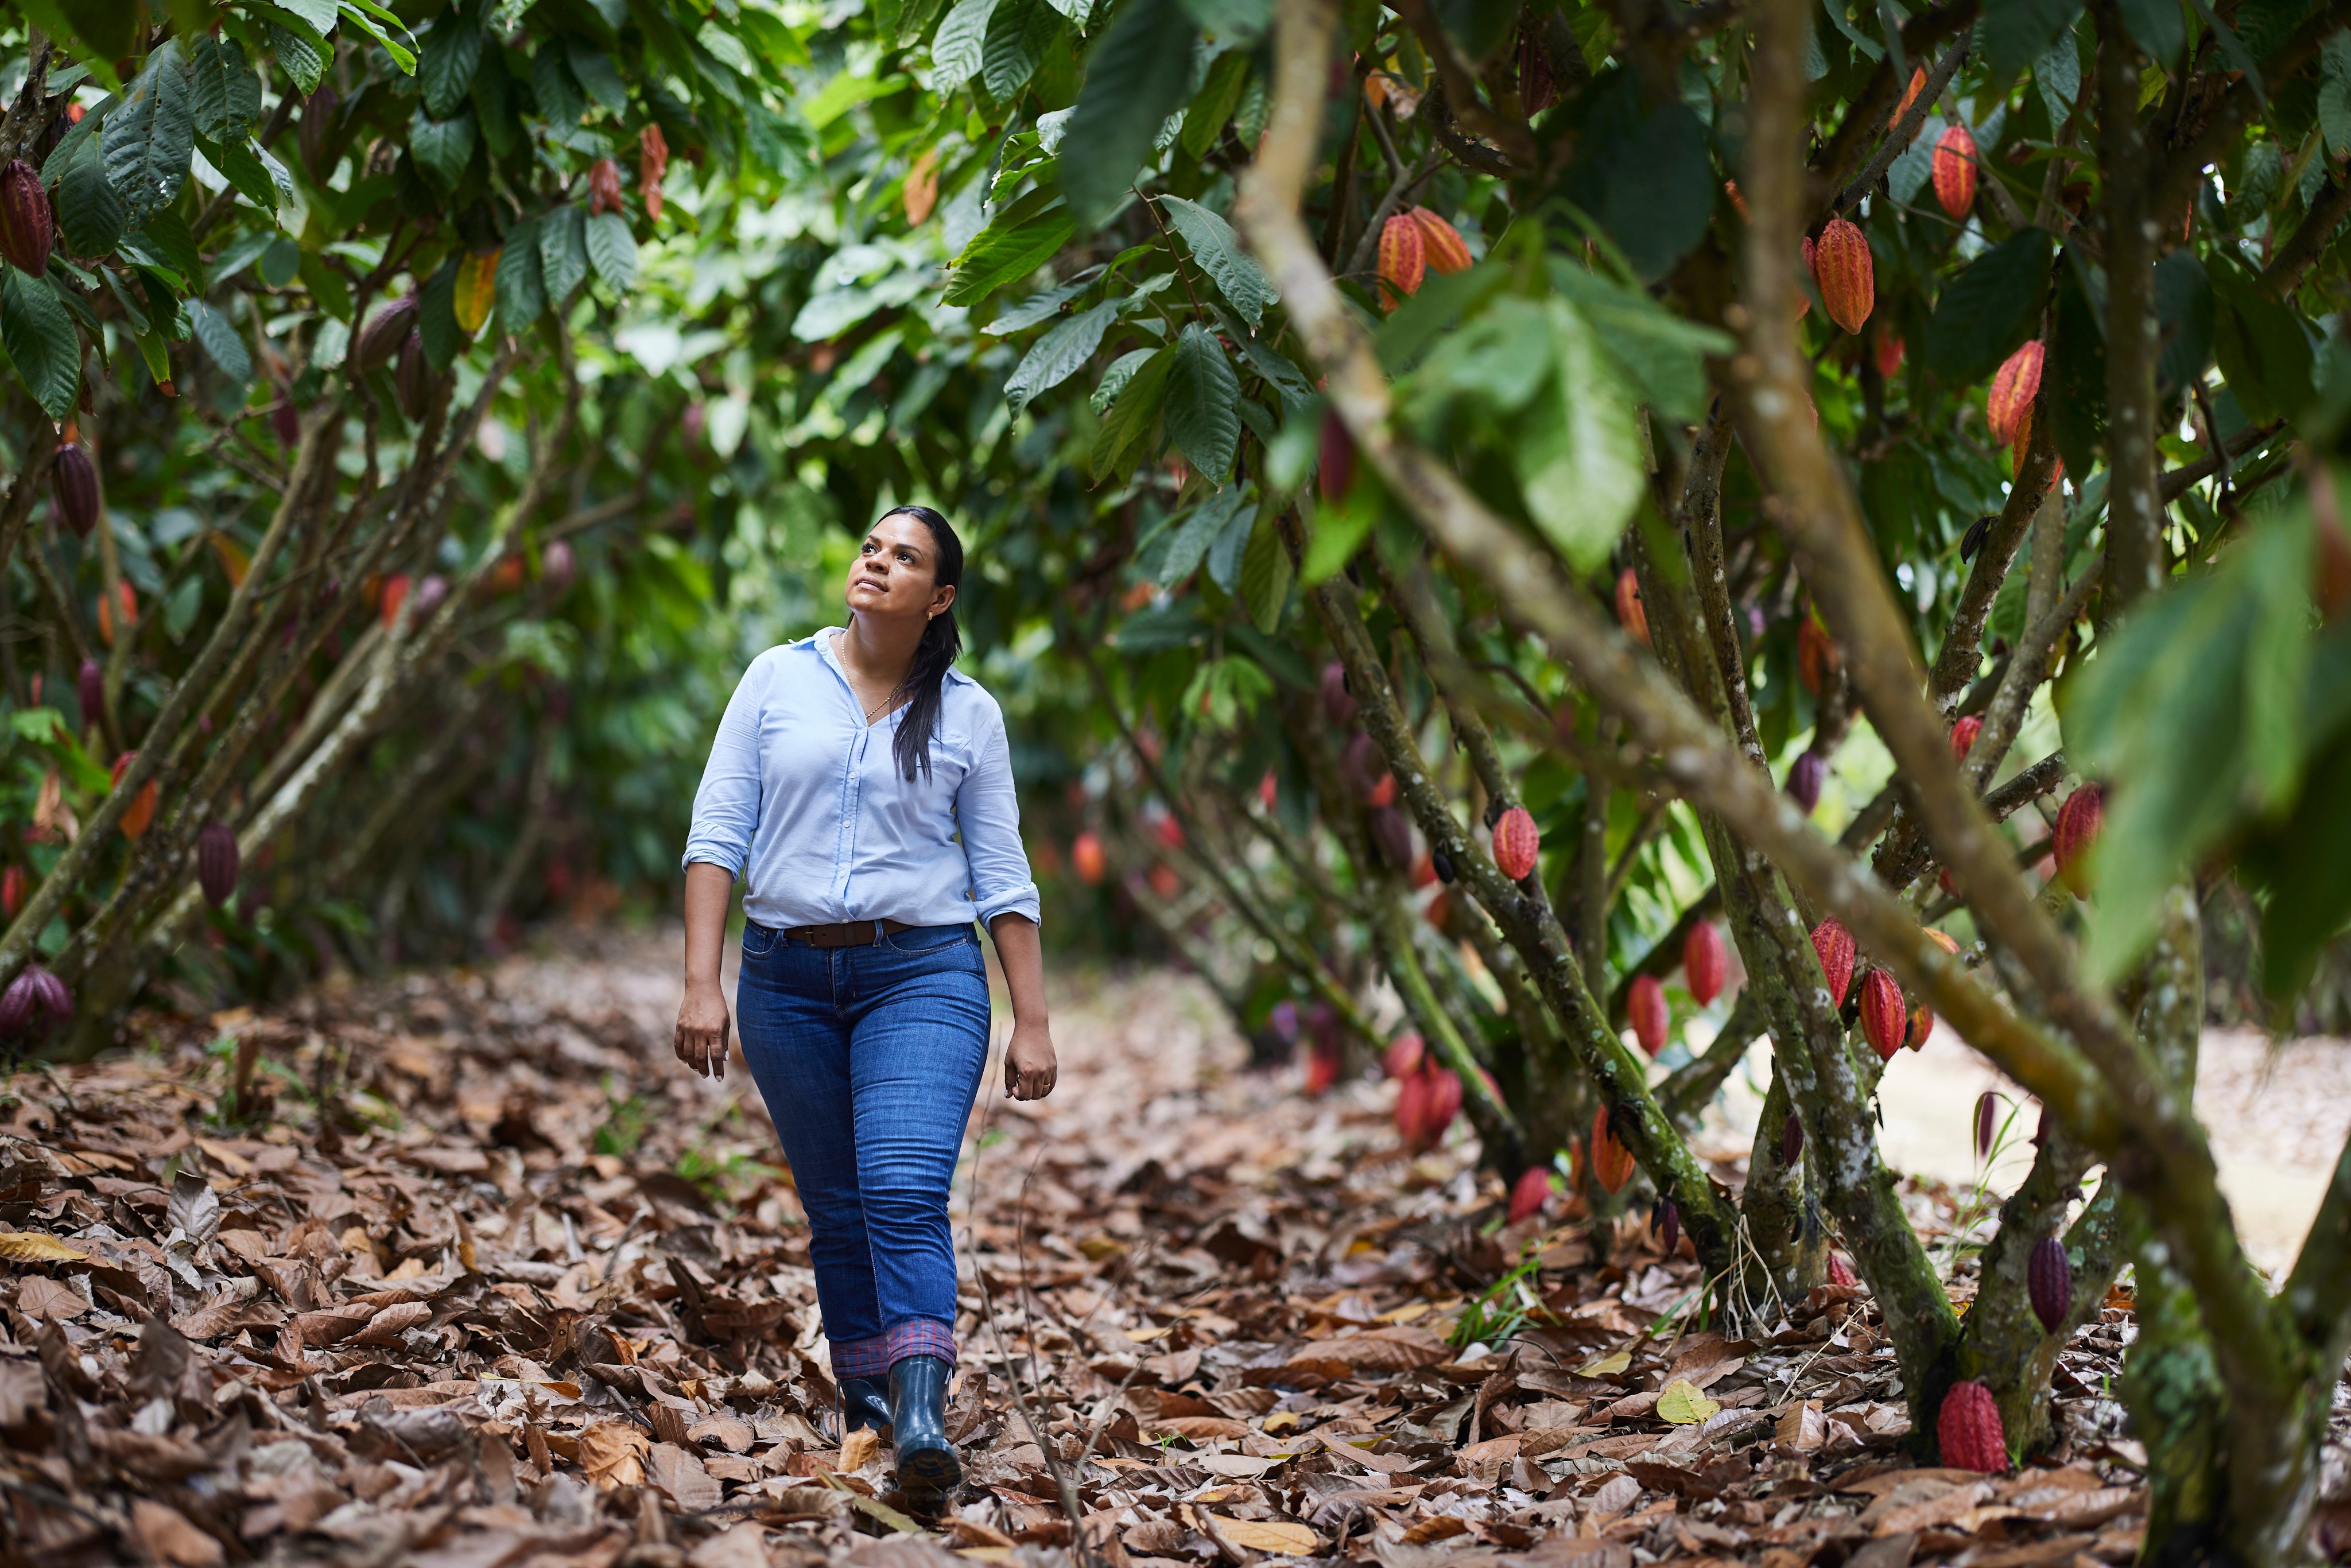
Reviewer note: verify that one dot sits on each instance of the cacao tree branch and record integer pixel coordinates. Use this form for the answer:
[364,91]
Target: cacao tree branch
[40,446]
[1877,99]
[1460,77]
[1904,132]
[2309,240]
[2137,561]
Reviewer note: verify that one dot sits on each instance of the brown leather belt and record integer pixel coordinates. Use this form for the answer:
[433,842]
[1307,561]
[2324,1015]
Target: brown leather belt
[850,933]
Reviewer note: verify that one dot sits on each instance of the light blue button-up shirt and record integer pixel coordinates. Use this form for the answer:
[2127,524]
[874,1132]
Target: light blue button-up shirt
[805,795]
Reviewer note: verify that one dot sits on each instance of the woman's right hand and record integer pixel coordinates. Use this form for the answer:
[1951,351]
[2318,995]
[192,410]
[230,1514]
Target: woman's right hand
[702,1029]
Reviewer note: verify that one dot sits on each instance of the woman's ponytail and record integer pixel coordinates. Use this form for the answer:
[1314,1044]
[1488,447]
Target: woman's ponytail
[924,689]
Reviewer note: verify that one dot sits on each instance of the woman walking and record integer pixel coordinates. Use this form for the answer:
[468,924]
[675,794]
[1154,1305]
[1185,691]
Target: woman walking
[863,789]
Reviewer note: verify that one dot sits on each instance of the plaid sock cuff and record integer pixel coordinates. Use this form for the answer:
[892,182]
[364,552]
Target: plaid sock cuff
[916,1336]
[861,1357]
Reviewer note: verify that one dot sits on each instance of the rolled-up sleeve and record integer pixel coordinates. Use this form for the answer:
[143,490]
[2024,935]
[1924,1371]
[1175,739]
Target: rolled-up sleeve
[726,806]
[987,814]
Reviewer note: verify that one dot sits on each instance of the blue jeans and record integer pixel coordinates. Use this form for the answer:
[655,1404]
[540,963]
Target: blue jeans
[869,1058]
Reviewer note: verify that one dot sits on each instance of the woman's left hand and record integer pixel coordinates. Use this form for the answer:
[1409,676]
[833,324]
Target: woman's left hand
[1029,1065]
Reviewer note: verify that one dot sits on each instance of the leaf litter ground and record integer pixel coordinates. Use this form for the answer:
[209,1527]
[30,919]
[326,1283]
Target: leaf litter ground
[462,1269]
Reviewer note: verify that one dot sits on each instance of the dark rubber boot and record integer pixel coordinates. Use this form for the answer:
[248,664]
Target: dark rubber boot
[928,1470]
[864,1403]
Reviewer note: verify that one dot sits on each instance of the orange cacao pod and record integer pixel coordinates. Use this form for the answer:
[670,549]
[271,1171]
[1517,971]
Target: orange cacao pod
[1517,842]
[1816,654]
[28,229]
[2013,387]
[2077,829]
[1612,1162]
[1441,243]
[1703,963]
[1840,1271]
[1165,882]
[1403,260]
[653,163]
[1646,1008]
[73,485]
[140,812]
[1922,1024]
[1087,857]
[1963,737]
[216,862]
[1841,265]
[1528,1193]
[1629,612]
[2048,1280]
[1833,944]
[120,606]
[395,594]
[1968,1430]
[1910,94]
[1883,1018]
[1955,172]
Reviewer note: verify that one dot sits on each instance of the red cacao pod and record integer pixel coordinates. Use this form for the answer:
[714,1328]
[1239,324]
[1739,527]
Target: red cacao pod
[395,594]
[1423,870]
[1646,1008]
[1816,654]
[653,163]
[1987,1122]
[1955,172]
[2013,387]
[1404,1056]
[1883,1018]
[1338,702]
[1630,615]
[1834,946]
[412,378]
[2077,829]
[1968,1430]
[1910,94]
[1334,468]
[140,813]
[1804,299]
[1323,1060]
[1963,737]
[1847,276]
[1087,858]
[1668,1224]
[1805,777]
[73,485]
[1792,1139]
[381,339]
[1529,1192]
[1268,790]
[1441,243]
[89,683]
[1738,201]
[1412,1109]
[1444,1102]
[1840,1271]
[1517,842]
[1403,260]
[1393,834]
[1889,354]
[1165,882]
[27,229]
[2048,1280]
[216,862]
[1922,1024]
[1168,832]
[1612,1162]
[12,891]
[1704,964]
[556,567]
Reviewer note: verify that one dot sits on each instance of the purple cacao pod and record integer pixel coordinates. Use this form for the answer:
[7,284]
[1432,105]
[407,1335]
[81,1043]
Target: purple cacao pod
[1670,1225]
[50,992]
[412,378]
[317,124]
[27,230]
[557,566]
[429,593]
[1792,1139]
[90,686]
[73,485]
[2048,1279]
[1393,833]
[16,1006]
[1987,1122]
[1804,781]
[286,424]
[385,331]
[216,862]
[1338,702]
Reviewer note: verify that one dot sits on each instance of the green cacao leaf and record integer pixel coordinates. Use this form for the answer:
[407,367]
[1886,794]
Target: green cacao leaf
[1218,251]
[1017,242]
[522,286]
[1132,417]
[1202,390]
[149,139]
[563,251]
[224,95]
[2016,33]
[1135,79]
[1989,309]
[961,46]
[88,211]
[42,343]
[612,251]
[442,148]
[218,335]
[1059,354]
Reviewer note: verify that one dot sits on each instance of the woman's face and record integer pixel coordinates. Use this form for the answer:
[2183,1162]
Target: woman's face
[896,571]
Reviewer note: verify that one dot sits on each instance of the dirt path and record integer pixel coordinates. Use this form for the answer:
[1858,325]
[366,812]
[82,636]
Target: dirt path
[464,1270]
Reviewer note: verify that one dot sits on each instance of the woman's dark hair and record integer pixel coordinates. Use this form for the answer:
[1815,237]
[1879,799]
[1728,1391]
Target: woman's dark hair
[923,688]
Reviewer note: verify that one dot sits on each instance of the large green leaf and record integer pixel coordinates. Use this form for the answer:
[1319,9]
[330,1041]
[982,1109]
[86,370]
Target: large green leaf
[1132,417]
[1578,452]
[960,48]
[151,136]
[1058,355]
[1218,251]
[1203,421]
[2017,33]
[1989,309]
[522,285]
[441,147]
[1644,175]
[1017,242]
[2157,27]
[219,337]
[2076,379]
[452,51]
[1017,35]
[89,214]
[224,95]
[563,251]
[1135,79]
[302,51]
[612,251]
[437,317]
[1265,577]
[41,340]
[2262,348]
[1213,106]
